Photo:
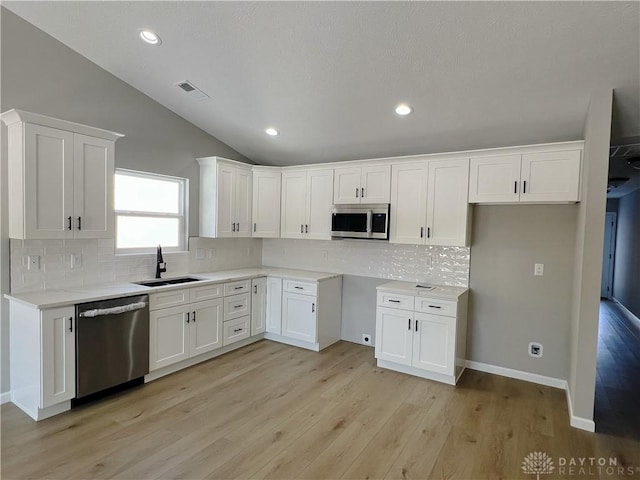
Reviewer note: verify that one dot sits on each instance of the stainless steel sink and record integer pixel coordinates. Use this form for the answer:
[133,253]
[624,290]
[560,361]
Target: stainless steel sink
[168,281]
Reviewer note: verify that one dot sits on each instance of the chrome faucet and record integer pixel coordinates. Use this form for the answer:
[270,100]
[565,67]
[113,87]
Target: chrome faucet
[161,266]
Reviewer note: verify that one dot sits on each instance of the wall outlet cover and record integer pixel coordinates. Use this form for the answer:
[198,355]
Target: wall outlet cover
[33,262]
[535,349]
[201,254]
[366,339]
[538,269]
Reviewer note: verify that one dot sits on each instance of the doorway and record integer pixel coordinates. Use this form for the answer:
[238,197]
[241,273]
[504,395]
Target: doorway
[608,255]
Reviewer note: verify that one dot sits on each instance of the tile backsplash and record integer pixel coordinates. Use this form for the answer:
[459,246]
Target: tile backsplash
[369,258]
[100,265]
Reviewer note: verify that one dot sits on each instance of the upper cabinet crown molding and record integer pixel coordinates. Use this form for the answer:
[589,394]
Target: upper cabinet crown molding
[14,116]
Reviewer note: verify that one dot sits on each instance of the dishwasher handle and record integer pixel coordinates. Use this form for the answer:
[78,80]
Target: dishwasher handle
[98,312]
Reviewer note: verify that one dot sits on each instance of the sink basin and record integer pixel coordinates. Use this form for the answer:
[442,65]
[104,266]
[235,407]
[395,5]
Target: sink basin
[169,281]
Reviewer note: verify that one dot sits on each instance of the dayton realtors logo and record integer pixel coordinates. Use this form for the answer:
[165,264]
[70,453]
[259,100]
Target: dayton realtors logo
[538,463]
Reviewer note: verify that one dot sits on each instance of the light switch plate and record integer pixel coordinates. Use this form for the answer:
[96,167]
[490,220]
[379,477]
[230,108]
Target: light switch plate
[538,269]
[33,262]
[76,260]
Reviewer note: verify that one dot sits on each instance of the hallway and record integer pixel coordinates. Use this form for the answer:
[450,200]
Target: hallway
[618,373]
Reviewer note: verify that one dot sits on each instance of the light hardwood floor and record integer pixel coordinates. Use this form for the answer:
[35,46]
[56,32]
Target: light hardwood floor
[273,411]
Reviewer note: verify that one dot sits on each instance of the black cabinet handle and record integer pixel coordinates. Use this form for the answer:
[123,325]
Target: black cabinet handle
[362,192]
[301,228]
[69,226]
[395,301]
[416,325]
[255,289]
[428,232]
[356,192]
[434,306]
[193,316]
[306,229]
[515,186]
[187,317]
[255,225]
[236,330]
[79,223]
[524,187]
[421,232]
[237,226]
[238,306]
[71,324]
[238,288]
[313,307]
[298,288]
[409,325]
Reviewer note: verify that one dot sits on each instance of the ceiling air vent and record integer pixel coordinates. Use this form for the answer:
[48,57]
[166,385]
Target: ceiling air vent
[192,90]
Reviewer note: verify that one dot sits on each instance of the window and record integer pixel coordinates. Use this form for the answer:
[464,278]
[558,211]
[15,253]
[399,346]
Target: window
[150,211]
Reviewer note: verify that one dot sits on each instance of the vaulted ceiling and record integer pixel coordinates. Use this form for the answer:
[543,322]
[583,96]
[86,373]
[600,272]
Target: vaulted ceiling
[328,75]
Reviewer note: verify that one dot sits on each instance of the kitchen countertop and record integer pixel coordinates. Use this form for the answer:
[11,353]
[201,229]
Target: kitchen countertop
[72,296]
[410,288]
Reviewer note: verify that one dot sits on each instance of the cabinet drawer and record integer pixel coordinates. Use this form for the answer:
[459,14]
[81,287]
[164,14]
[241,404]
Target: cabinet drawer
[237,306]
[235,330]
[205,292]
[436,307]
[233,288]
[303,288]
[395,300]
[172,298]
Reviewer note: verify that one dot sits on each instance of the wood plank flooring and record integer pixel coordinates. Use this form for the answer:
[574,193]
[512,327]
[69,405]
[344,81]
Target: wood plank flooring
[617,402]
[274,411]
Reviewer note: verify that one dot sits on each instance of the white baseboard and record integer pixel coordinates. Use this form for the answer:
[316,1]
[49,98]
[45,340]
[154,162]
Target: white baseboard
[629,313]
[518,374]
[576,422]
[5,397]
[579,422]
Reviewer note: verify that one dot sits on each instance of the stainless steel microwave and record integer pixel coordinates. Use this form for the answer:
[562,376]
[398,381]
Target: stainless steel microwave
[360,221]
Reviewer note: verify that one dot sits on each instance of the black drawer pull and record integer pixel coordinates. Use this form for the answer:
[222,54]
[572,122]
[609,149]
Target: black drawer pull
[239,306]
[236,330]
[395,301]
[238,288]
[434,306]
[298,288]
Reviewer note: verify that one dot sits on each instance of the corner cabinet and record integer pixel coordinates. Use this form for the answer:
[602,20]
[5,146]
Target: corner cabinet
[307,197]
[429,202]
[225,198]
[61,178]
[43,363]
[538,177]
[419,334]
[266,202]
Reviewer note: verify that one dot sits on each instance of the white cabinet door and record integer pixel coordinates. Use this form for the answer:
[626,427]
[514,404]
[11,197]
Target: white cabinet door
[347,185]
[447,205]
[205,330]
[48,195]
[495,179]
[236,330]
[225,201]
[58,355]
[266,204]
[376,184]
[434,343]
[242,202]
[258,305]
[93,173]
[299,317]
[237,305]
[319,201]
[274,305]
[551,177]
[394,335]
[408,203]
[168,336]
[294,191]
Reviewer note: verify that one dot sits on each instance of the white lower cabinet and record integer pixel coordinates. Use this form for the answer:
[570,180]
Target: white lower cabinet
[412,339]
[306,314]
[299,317]
[236,330]
[181,332]
[258,305]
[43,364]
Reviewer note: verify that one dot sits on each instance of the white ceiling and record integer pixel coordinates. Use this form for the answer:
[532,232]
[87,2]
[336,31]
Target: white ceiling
[328,74]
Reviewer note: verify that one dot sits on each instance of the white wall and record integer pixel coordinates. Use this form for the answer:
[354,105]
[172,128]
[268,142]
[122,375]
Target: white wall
[587,272]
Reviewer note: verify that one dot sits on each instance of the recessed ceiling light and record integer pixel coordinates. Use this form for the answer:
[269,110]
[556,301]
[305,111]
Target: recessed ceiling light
[272,131]
[150,37]
[403,109]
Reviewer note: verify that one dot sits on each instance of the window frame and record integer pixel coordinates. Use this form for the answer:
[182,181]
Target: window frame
[182,215]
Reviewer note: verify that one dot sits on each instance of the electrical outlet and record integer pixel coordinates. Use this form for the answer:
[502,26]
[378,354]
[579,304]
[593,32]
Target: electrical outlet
[211,253]
[429,262]
[201,254]
[366,339]
[324,255]
[535,349]
[248,251]
[76,260]
[538,269]
[33,262]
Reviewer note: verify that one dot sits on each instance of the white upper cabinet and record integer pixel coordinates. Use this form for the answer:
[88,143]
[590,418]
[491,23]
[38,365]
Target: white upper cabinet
[368,184]
[225,198]
[61,178]
[266,203]
[429,202]
[544,177]
[306,204]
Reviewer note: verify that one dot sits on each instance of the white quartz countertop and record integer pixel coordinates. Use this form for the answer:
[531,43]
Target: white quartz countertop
[411,288]
[72,296]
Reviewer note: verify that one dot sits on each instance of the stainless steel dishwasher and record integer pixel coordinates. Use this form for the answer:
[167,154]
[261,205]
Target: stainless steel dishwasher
[112,343]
